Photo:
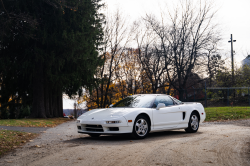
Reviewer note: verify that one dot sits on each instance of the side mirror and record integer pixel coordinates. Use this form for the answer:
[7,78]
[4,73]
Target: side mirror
[160,105]
[111,105]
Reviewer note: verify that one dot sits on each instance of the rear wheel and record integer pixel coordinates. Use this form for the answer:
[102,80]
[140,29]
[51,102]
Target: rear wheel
[141,127]
[193,124]
[94,135]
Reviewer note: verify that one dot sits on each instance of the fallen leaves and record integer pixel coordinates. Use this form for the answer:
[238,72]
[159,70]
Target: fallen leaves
[42,131]
[12,139]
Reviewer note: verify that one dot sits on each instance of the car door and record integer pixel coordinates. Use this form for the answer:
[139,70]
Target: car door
[166,117]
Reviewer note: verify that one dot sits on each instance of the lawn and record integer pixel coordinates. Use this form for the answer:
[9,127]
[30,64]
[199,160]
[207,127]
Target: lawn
[227,113]
[10,140]
[49,122]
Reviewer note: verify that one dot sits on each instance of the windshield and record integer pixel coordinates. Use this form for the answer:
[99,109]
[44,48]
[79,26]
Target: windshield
[176,100]
[136,101]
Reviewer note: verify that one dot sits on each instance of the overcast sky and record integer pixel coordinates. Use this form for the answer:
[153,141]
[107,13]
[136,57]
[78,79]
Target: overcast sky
[232,17]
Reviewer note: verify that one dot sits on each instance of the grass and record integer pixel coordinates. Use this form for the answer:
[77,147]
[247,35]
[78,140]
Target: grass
[227,113]
[10,140]
[49,122]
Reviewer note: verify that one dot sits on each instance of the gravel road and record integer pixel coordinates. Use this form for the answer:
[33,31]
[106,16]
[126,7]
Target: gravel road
[216,143]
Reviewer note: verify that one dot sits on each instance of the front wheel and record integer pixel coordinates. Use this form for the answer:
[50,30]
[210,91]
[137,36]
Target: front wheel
[193,124]
[141,127]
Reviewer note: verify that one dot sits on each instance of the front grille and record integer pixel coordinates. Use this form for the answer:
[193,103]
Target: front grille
[97,128]
[79,127]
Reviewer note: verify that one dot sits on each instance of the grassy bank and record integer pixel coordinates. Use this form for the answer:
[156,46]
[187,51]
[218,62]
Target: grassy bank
[49,122]
[10,140]
[227,113]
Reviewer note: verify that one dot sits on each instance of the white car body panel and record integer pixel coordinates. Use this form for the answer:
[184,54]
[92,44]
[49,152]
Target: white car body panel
[166,118]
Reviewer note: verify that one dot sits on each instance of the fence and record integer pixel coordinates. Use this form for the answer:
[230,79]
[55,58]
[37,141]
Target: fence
[219,96]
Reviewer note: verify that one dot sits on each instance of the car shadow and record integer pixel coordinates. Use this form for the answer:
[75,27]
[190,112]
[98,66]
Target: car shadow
[127,139]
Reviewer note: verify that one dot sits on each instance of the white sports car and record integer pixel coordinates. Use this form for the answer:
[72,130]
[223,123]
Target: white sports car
[141,114]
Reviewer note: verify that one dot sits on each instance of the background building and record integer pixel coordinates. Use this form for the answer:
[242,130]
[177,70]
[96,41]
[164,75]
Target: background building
[246,61]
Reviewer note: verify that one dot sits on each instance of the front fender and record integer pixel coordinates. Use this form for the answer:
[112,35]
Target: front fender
[132,116]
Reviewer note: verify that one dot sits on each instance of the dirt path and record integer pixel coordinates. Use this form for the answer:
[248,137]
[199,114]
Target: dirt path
[214,144]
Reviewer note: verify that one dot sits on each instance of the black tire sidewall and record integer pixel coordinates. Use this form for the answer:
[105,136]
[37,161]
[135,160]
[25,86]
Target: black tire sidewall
[189,129]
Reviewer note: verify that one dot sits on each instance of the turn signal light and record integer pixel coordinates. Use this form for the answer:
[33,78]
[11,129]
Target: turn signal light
[129,121]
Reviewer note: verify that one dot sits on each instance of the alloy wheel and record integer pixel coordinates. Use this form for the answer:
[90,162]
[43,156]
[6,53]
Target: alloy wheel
[141,127]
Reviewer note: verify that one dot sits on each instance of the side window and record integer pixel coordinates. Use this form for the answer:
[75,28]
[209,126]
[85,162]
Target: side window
[163,99]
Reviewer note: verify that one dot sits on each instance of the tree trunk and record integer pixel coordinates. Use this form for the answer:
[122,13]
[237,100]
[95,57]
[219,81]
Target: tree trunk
[46,97]
[60,104]
[55,105]
[38,109]
[51,102]
[154,88]
[181,93]
[97,97]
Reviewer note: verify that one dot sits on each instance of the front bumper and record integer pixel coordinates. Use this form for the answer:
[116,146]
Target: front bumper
[101,127]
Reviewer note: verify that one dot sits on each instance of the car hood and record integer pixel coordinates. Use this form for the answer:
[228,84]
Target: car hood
[107,113]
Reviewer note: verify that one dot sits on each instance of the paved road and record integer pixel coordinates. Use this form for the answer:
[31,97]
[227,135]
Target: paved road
[25,129]
[223,143]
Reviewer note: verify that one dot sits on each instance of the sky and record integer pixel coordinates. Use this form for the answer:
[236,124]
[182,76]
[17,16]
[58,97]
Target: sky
[69,103]
[232,17]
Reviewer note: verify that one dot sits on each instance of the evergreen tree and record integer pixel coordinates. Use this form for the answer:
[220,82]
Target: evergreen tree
[55,50]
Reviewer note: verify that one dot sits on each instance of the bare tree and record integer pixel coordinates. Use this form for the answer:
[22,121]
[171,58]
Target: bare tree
[152,62]
[183,39]
[214,62]
[116,38]
[129,72]
[150,55]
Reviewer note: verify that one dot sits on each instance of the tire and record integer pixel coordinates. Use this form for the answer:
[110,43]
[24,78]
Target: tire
[141,127]
[193,124]
[94,135]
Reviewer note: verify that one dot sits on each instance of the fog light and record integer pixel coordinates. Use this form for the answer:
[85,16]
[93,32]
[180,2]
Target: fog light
[112,122]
